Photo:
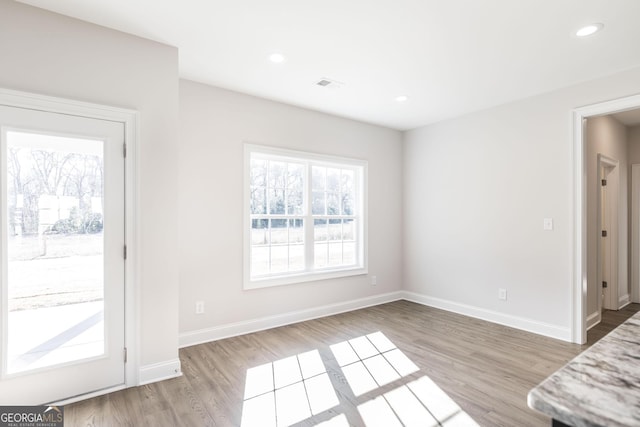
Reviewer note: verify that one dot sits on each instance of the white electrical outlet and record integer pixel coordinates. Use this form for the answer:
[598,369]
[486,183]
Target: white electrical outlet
[374,280]
[502,294]
[199,307]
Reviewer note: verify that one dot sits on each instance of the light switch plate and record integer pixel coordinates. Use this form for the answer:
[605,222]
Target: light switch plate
[547,224]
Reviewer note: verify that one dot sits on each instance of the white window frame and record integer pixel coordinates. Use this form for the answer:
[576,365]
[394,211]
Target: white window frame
[309,274]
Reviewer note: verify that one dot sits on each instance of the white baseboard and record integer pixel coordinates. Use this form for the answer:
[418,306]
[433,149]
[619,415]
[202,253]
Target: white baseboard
[148,374]
[240,328]
[159,371]
[593,319]
[97,393]
[215,333]
[540,328]
[624,301]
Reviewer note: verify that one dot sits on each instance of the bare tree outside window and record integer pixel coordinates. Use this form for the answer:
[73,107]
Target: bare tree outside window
[306,215]
[55,206]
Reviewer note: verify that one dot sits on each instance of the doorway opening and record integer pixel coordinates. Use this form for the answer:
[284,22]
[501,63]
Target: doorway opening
[623,109]
[67,319]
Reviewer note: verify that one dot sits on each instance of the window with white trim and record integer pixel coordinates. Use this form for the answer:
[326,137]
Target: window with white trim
[305,217]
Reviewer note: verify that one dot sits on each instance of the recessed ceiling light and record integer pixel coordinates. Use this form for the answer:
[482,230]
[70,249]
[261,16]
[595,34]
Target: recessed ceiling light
[276,58]
[401,98]
[590,29]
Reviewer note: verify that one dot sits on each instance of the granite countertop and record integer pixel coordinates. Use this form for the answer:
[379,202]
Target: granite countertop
[600,387]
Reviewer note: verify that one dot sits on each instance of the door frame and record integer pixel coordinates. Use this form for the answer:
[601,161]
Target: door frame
[579,244]
[613,237]
[130,119]
[635,233]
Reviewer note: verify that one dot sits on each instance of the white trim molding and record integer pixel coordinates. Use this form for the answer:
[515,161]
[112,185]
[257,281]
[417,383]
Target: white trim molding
[229,330]
[254,325]
[309,272]
[159,371]
[635,232]
[608,168]
[624,301]
[579,244]
[97,393]
[593,319]
[131,120]
[517,322]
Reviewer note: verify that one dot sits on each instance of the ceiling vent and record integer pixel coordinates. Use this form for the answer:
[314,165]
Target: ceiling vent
[333,84]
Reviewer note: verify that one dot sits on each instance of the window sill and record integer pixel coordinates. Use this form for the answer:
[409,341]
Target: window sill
[292,279]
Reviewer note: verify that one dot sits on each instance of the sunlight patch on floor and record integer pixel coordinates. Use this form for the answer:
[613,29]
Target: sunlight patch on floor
[287,391]
[296,388]
[371,361]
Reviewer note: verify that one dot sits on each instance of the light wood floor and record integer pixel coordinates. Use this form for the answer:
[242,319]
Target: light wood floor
[486,369]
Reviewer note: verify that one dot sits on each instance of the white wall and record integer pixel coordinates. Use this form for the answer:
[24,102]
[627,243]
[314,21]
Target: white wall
[476,191]
[476,188]
[634,144]
[605,135]
[214,123]
[54,55]
[633,139]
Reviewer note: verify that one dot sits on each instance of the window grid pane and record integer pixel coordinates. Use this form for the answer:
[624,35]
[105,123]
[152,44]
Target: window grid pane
[333,193]
[277,246]
[334,242]
[278,194]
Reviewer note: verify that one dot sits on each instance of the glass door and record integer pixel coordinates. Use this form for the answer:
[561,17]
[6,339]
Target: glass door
[62,255]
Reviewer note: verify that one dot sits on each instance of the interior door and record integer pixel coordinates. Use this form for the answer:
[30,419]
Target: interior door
[62,260]
[605,246]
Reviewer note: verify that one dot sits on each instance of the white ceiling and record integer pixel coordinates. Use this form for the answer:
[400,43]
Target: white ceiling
[450,57]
